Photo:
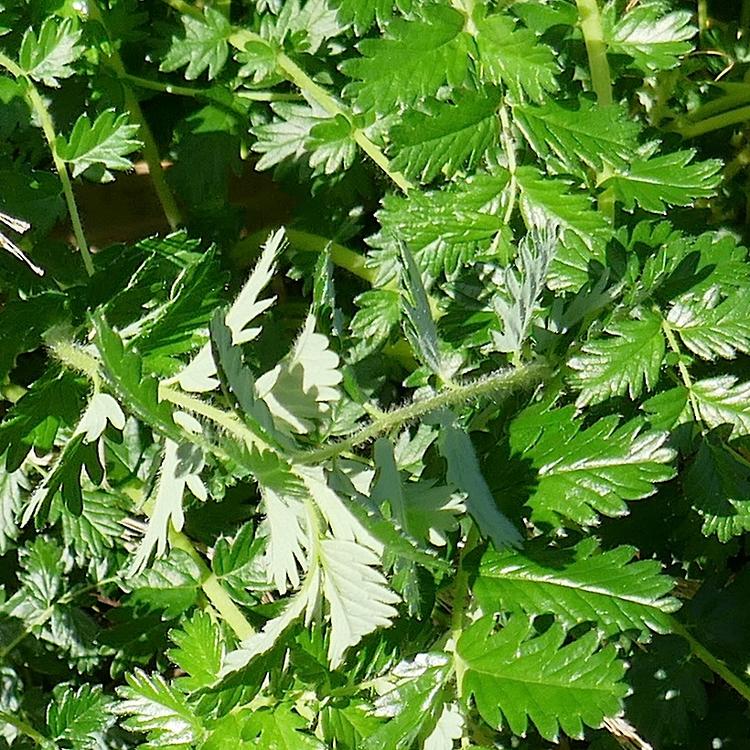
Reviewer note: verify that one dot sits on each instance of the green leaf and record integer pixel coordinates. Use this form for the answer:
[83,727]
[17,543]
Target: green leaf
[584,231]
[711,328]
[204,46]
[512,56]
[413,60]
[580,135]
[180,469]
[361,14]
[139,392]
[199,652]
[48,56]
[158,710]
[577,585]
[584,472]
[357,594]
[653,38]
[97,147]
[446,138]
[332,146]
[378,315]
[444,229]
[516,676]
[628,360]
[97,529]
[11,500]
[721,400]
[669,179]
[239,564]
[280,728]
[80,718]
[413,705]
[464,473]
[717,484]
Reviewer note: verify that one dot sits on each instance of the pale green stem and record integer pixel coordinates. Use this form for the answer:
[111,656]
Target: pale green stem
[150,149]
[733,117]
[44,117]
[341,256]
[504,381]
[214,591]
[596,49]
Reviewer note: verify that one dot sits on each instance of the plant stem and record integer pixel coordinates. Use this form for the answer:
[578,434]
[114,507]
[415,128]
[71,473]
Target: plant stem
[26,729]
[596,49]
[39,108]
[461,585]
[150,149]
[500,381]
[717,122]
[214,591]
[341,256]
[717,666]
[674,345]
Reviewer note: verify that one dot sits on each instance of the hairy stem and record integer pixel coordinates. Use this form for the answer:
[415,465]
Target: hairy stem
[503,381]
[150,149]
[39,108]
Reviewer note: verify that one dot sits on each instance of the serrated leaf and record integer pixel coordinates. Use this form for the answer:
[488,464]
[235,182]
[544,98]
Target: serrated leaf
[100,146]
[653,38]
[280,729]
[516,678]
[158,710]
[414,704]
[97,529]
[584,472]
[626,362]
[79,718]
[361,14]
[710,328]
[199,651]
[204,46]
[413,60]
[301,388]
[464,473]
[717,484]
[577,585]
[123,369]
[513,56]
[588,135]
[669,179]
[180,469]
[378,315]
[357,594]
[721,400]
[584,231]
[331,145]
[48,56]
[198,375]
[445,138]
[445,229]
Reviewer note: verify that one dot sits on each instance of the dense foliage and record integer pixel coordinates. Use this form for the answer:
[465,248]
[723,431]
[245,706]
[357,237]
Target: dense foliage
[456,457]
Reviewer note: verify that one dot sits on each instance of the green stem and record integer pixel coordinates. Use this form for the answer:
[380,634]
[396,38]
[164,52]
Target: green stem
[596,49]
[502,381]
[26,729]
[150,149]
[461,585]
[214,591]
[341,256]
[44,117]
[733,117]
[717,666]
